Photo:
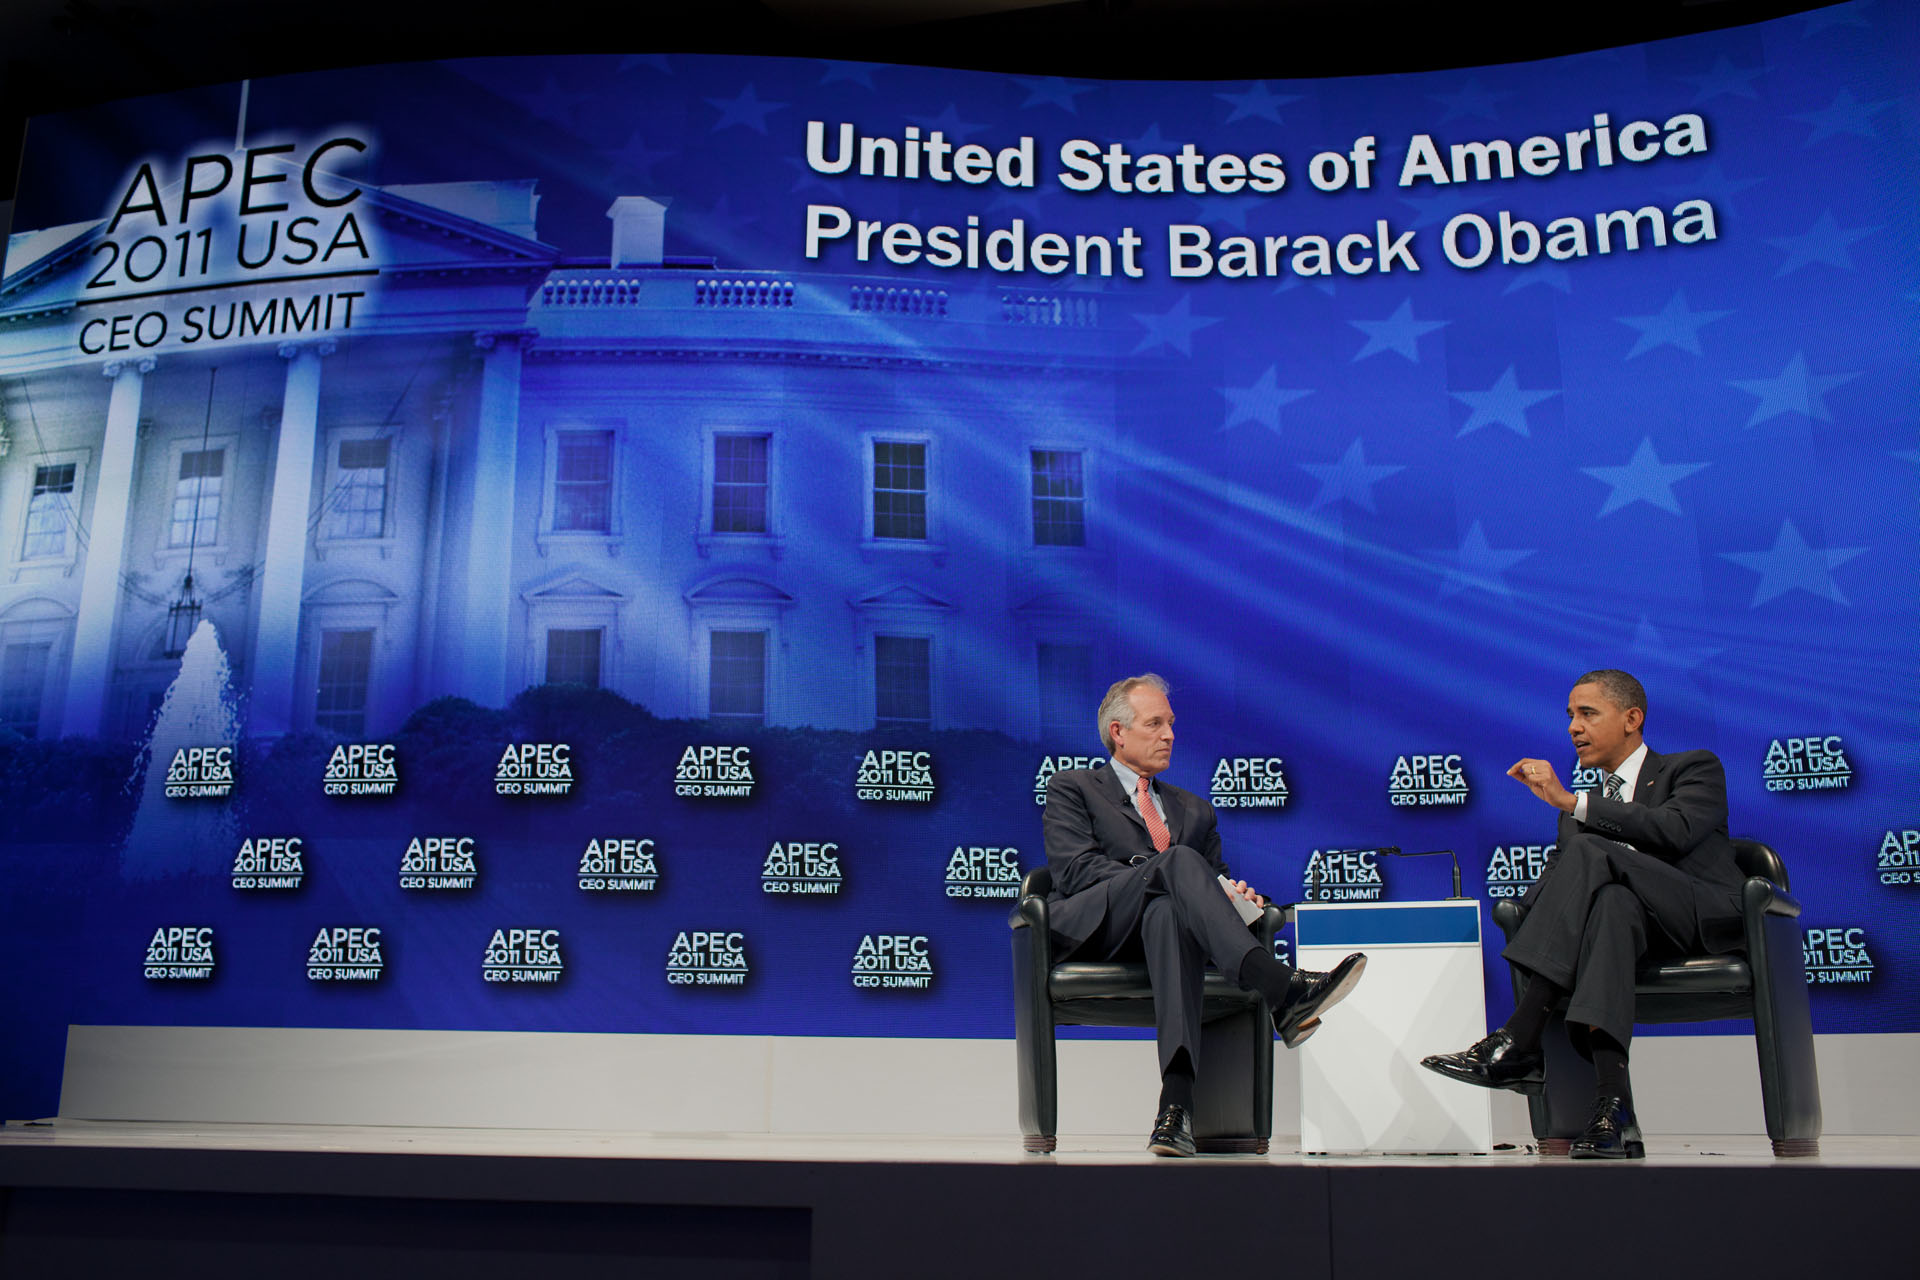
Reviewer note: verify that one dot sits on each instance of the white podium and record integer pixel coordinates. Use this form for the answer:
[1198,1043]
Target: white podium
[1362,1088]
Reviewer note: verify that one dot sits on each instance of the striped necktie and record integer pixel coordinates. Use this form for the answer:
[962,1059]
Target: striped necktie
[1151,816]
[1613,785]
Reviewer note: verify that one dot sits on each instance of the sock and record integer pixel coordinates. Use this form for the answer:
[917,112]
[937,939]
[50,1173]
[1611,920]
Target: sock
[1609,1066]
[1260,972]
[1530,1012]
[1176,1082]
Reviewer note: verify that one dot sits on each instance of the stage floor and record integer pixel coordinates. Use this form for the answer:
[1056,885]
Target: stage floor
[290,1201]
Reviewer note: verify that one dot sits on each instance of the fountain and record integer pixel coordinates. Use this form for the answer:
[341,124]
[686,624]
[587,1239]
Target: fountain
[171,838]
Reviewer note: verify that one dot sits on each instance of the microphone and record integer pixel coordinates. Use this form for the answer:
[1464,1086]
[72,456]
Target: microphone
[1398,852]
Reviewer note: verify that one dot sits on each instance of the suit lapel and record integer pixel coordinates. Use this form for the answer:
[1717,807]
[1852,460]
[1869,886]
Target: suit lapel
[1117,793]
[1650,770]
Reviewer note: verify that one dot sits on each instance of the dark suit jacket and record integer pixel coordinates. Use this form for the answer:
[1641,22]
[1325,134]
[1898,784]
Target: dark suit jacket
[1678,814]
[1092,829]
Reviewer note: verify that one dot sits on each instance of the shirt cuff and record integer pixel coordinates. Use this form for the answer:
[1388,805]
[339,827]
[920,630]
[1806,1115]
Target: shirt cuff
[1580,806]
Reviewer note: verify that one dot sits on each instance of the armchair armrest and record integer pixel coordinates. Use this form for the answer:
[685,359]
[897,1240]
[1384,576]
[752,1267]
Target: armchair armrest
[1507,915]
[1029,913]
[1762,897]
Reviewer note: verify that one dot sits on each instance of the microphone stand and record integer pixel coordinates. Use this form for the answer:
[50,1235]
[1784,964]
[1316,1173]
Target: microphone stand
[1398,852]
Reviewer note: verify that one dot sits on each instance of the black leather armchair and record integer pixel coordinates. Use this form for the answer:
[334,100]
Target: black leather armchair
[1767,984]
[1233,1094]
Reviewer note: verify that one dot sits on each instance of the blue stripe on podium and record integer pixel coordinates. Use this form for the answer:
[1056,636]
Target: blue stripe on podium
[1379,924]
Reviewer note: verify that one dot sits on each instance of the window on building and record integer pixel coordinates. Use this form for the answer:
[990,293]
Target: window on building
[346,662]
[196,498]
[23,683]
[737,676]
[583,482]
[573,656]
[903,681]
[739,484]
[359,505]
[49,511]
[1059,499]
[899,489]
[1066,700]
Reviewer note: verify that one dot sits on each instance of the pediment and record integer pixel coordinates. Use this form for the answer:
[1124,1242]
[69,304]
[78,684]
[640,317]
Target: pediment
[572,586]
[738,589]
[351,591]
[901,595]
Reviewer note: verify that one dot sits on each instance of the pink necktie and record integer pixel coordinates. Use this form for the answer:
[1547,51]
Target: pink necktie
[1155,827]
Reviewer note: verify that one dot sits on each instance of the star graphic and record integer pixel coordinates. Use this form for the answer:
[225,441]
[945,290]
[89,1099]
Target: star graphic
[1051,91]
[1470,100]
[1908,455]
[948,123]
[1442,205]
[655,61]
[1723,78]
[1504,402]
[860,73]
[555,103]
[1260,402]
[745,109]
[1152,143]
[1644,479]
[1476,564]
[1839,15]
[1258,101]
[1175,328]
[1794,390]
[1398,332]
[1845,115]
[807,177]
[1673,326]
[637,158]
[1214,211]
[1650,649]
[1551,275]
[1712,183]
[1290,282]
[1792,565]
[1349,480]
[719,224]
[1826,241]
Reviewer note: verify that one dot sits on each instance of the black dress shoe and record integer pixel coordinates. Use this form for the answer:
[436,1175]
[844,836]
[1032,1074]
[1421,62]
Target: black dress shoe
[1612,1134]
[1172,1132]
[1494,1063]
[1311,994]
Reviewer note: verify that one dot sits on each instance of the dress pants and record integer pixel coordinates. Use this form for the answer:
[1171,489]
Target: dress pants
[1170,910]
[1597,911]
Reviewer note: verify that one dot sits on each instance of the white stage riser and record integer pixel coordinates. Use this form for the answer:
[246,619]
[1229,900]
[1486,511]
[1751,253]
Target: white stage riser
[758,1084]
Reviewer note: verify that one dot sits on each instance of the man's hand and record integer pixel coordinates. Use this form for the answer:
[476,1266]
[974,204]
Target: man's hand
[1240,889]
[1540,779]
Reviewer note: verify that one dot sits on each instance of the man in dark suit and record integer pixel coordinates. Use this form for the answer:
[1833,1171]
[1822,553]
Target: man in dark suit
[1643,867]
[1137,873]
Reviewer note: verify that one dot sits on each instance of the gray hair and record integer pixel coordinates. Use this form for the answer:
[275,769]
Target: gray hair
[1117,706]
[1621,688]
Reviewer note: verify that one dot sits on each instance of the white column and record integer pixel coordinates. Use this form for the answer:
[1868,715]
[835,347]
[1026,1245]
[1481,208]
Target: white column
[489,590]
[276,639]
[92,668]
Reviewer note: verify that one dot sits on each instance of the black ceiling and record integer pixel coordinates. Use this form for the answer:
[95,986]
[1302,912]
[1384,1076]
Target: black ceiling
[56,54]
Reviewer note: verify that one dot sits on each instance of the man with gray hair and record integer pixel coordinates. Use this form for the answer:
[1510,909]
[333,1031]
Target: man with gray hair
[1137,874]
[1643,867]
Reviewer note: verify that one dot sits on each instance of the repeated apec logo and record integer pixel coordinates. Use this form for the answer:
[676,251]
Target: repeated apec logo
[363,769]
[706,773]
[534,769]
[523,956]
[1816,763]
[180,953]
[1513,868]
[438,862]
[1050,765]
[1900,857]
[977,871]
[1836,956]
[802,868]
[346,954]
[200,773]
[1434,779]
[893,962]
[620,864]
[708,958]
[899,776]
[1249,782]
[1343,875]
[269,862]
